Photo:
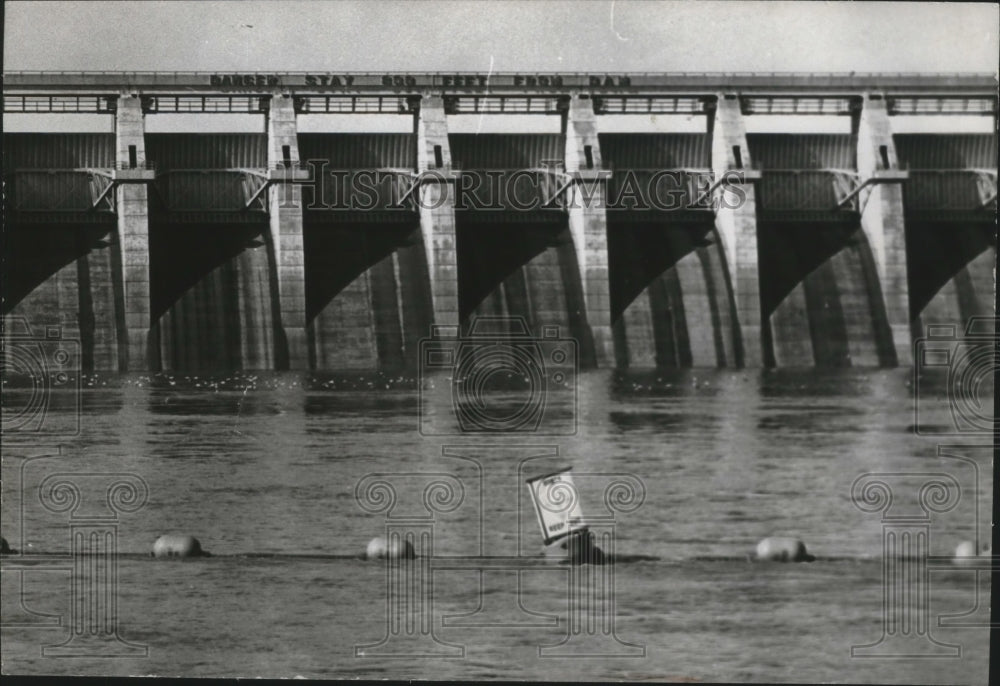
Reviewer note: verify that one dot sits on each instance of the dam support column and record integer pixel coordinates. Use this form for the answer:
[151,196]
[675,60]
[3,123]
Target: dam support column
[288,275]
[132,204]
[588,223]
[437,208]
[736,223]
[882,218]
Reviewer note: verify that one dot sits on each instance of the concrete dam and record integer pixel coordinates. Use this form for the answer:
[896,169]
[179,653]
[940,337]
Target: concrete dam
[196,252]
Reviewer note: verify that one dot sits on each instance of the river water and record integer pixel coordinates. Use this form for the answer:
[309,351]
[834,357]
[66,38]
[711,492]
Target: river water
[265,470]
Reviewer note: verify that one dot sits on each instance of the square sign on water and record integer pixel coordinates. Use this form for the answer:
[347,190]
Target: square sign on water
[557,504]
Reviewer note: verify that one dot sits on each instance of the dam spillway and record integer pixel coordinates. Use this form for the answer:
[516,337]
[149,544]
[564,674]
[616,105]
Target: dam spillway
[819,287]
[205,252]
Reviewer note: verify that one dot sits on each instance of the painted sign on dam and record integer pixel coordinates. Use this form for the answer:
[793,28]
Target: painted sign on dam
[396,80]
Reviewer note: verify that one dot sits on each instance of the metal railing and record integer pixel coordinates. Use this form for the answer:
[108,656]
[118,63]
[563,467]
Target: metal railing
[357,104]
[650,105]
[918,105]
[60,104]
[493,104]
[204,104]
[783,104]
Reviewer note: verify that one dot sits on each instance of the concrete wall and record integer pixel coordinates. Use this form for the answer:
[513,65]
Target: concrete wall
[670,297]
[368,292]
[671,300]
[882,218]
[536,264]
[213,296]
[66,276]
[368,296]
[736,224]
[969,293]
[132,206]
[588,226]
[63,270]
[745,290]
[822,268]
[821,297]
[523,270]
[213,313]
[950,238]
[952,273]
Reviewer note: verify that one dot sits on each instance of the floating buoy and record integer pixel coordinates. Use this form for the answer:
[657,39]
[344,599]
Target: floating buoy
[783,549]
[176,545]
[576,549]
[966,551]
[378,549]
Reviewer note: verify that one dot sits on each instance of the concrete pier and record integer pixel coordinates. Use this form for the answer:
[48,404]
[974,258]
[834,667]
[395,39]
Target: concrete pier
[588,223]
[882,218]
[437,209]
[738,225]
[132,204]
[288,282]
[99,291]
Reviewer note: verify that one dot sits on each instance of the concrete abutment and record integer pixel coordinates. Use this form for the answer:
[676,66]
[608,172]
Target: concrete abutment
[286,247]
[132,203]
[736,224]
[882,219]
[437,209]
[588,224]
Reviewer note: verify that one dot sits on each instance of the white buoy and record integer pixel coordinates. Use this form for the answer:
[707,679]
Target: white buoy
[783,549]
[967,551]
[379,548]
[177,545]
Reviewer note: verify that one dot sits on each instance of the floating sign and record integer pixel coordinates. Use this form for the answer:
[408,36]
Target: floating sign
[557,504]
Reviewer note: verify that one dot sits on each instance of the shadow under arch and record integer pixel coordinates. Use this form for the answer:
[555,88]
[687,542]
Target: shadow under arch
[842,294]
[525,269]
[390,257]
[33,254]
